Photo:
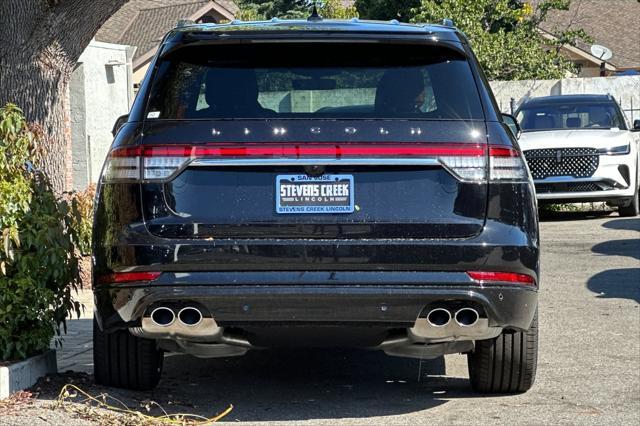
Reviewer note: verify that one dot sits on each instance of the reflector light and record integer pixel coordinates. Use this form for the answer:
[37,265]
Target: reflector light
[506,277]
[467,168]
[122,168]
[125,277]
[506,164]
[466,161]
[161,167]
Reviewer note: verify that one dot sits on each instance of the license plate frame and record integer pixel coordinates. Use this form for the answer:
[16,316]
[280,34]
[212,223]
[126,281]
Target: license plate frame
[311,198]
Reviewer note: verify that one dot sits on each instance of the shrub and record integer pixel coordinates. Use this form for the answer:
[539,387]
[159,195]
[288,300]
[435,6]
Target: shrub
[38,263]
[82,218]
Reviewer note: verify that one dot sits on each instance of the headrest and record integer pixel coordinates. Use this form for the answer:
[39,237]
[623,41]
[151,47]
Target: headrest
[574,122]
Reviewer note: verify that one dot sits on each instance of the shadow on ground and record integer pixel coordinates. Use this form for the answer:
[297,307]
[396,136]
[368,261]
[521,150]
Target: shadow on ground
[616,283]
[630,247]
[629,224]
[314,384]
[627,247]
[623,283]
[296,384]
[551,216]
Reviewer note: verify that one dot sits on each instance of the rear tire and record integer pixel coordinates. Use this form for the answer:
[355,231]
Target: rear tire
[124,361]
[633,208]
[505,364]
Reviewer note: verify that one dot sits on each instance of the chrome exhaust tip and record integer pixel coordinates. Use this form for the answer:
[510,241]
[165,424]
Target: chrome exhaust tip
[439,317]
[163,316]
[467,317]
[190,316]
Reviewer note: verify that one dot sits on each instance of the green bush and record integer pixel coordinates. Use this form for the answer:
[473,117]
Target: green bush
[38,262]
[82,218]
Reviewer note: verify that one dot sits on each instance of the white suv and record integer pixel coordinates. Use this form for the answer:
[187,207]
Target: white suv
[580,148]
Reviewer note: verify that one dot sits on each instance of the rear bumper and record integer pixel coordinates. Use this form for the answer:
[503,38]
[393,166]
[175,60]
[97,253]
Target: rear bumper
[381,299]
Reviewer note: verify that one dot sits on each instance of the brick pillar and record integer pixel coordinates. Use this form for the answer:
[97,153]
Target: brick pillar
[68,157]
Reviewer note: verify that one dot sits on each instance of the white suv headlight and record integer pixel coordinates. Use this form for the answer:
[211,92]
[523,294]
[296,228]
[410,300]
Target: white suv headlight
[615,150]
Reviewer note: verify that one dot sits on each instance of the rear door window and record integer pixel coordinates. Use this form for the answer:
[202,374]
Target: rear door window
[320,80]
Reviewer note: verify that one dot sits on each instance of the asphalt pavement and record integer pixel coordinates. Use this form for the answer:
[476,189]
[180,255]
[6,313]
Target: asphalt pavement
[588,371]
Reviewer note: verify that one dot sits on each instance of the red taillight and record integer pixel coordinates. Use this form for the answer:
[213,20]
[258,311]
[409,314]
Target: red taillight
[158,162]
[127,277]
[302,150]
[500,151]
[467,161]
[505,277]
[323,150]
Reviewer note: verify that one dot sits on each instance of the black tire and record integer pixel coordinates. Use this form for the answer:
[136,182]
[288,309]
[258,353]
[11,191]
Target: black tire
[633,208]
[505,364]
[124,361]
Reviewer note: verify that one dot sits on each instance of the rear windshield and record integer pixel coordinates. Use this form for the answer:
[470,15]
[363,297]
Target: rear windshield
[322,80]
[568,116]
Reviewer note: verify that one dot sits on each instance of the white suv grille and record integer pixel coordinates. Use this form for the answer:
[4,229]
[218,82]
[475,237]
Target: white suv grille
[576,162]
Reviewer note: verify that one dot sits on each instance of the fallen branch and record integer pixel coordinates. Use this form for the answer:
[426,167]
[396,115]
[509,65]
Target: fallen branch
[108,402]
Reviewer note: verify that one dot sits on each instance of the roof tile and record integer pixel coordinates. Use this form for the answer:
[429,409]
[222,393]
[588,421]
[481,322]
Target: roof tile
[143,23]
[612,23]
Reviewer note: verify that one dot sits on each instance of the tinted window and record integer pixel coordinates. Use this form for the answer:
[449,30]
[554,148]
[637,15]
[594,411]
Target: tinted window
[326,80]
[552,116]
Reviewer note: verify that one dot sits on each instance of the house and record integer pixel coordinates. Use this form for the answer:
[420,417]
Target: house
[143,23]
[614,24]
[102,84]
[100,90]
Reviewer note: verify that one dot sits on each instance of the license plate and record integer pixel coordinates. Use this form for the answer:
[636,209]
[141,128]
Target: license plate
[314,194]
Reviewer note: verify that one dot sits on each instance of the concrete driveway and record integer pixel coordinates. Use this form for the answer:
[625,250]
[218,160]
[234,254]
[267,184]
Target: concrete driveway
[588,373]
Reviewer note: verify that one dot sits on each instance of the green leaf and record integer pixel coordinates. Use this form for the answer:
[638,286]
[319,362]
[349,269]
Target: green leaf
[38,262]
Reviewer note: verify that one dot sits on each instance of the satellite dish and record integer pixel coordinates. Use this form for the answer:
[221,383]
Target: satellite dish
[601,52]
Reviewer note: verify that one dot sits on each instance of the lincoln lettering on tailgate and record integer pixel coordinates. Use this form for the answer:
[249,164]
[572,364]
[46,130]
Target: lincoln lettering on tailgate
[314,194]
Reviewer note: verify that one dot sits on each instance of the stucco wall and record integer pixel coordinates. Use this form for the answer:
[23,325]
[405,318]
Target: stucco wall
[312,100]
[100,92]
[78,127]
[626,90]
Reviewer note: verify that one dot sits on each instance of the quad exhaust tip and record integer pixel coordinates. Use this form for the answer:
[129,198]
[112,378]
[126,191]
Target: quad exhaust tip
[467,317]
[163,316]
[439,317]
[190,316]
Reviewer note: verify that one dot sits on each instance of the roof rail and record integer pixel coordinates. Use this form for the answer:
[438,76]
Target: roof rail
[448,22]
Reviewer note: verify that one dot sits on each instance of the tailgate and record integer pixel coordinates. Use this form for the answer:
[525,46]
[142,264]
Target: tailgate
[348,180]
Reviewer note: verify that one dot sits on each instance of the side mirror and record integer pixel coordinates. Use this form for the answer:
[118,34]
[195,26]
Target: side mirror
[512,123]
[636,125]
[120,121]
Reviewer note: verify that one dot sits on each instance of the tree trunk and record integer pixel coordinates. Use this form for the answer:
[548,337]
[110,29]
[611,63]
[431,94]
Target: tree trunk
[40,43]
[40,91]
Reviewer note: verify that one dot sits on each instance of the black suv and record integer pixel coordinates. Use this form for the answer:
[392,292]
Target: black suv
[324,183]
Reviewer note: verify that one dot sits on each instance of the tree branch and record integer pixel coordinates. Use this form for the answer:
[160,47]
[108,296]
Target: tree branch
[81,20]
[53,31]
